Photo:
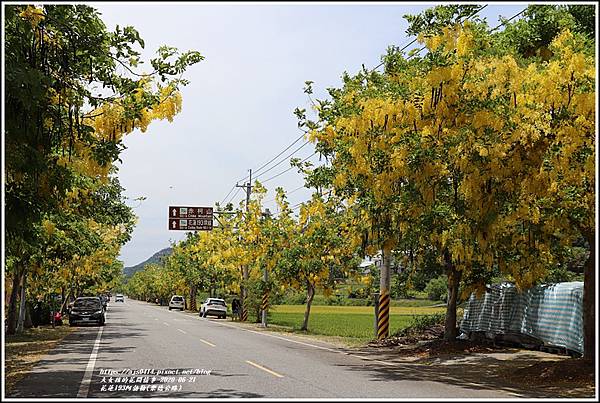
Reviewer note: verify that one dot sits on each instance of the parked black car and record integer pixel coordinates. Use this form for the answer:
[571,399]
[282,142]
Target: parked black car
[87,310]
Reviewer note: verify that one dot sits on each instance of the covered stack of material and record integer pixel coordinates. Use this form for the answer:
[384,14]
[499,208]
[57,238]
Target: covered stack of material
[551,313]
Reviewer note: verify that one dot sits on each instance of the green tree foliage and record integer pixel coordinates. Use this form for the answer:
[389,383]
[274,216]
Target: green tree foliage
[437,289]
[72,92]
[462,149]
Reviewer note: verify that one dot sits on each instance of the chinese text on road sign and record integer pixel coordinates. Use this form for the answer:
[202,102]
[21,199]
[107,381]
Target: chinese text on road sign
[190,218]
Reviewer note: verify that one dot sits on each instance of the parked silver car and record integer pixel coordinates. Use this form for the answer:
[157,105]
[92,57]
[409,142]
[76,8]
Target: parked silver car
[177,302]
[215,307]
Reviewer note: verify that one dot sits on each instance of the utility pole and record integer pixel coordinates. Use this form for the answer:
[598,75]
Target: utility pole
[244,316]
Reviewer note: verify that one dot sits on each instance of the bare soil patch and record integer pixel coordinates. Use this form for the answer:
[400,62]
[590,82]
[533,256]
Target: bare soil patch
[566,372]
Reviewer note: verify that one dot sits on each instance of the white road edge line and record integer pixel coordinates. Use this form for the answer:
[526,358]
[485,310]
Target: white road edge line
[84,388]
[264,369]
[184,332]
[207,342]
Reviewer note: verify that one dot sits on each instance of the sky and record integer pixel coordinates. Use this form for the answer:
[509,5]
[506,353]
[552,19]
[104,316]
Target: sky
[238,108]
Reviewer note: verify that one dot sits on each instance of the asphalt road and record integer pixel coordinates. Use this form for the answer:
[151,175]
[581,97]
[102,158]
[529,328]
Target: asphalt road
[123,359]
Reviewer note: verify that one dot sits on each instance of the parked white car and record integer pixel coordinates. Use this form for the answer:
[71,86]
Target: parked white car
[215,307]
[177,302]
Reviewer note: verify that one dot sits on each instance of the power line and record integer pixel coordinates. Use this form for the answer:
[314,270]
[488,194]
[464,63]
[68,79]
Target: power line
[414,40]
[231,190]
[510,19]
[281,173]
[287,194]
[300,137]
[404,47]
[298,205]
[493,29]
[267,163]
[235,194]
[275,157]
[284,159]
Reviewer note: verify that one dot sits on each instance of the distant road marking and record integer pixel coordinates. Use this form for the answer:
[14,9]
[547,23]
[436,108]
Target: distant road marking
[155,318]
[264,369]
[182,331]
[166,324]
[389,364]
[207,342]
[84,388]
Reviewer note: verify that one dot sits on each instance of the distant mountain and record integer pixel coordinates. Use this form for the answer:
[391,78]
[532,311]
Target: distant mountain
[156,258]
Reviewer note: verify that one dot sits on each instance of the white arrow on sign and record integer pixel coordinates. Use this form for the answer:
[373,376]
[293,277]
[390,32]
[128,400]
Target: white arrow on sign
[174,212]
[174,224]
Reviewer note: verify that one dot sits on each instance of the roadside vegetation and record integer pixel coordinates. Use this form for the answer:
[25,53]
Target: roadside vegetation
[355,323]
[463,165]
[73,91]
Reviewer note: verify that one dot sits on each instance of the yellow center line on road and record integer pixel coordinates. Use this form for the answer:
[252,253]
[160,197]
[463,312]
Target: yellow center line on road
[182,331]
[265,369]
[207,342]
[389,364]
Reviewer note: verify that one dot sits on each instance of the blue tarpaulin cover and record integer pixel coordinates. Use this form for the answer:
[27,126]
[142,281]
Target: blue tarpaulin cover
[551,313]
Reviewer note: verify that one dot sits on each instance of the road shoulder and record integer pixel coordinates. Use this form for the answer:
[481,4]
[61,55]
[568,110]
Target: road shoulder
[59,370]
[23,352]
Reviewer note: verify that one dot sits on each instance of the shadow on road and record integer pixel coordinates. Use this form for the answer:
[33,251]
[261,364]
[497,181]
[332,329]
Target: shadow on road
[38,385]
[475,372]
[60,372]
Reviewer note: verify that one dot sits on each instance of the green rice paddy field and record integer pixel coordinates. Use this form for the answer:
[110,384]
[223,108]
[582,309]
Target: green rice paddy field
[352,322]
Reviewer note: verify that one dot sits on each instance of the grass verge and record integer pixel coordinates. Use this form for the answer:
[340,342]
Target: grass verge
[353,325]
[24,350]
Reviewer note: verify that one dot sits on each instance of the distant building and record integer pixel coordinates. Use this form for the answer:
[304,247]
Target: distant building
[375,261]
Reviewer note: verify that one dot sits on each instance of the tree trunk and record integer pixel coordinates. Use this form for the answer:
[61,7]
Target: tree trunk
[385,276]
[22,302]
[63,307]
[309,299]
[450,329]
[193,297]
[244,292]
[62,296]
[12,304]
[28,322]
[589,299]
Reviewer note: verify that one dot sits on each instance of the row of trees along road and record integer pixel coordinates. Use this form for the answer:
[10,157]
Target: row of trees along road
[479,152]
[73,90]
[481,149]
[314,251]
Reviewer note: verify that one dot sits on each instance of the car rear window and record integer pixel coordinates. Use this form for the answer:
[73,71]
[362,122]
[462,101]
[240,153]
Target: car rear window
[177,298]
[87,303]
[216,302]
